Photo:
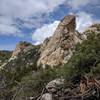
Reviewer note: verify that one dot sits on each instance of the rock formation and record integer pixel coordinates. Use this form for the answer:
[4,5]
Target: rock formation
[24,55]
[22,46]
[95,28]
[57,49]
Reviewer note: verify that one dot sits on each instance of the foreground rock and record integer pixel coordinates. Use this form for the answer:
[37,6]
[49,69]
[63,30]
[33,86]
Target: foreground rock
[91,90]
[47,96]
[58,49]
[55,85]
[21,47]
[95,28]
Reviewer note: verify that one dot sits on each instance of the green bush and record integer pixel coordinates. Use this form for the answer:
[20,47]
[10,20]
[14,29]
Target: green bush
[85,58]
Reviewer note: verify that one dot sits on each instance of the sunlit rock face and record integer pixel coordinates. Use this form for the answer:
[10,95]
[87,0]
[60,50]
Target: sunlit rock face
[58,49]
[95,28]
[22,46]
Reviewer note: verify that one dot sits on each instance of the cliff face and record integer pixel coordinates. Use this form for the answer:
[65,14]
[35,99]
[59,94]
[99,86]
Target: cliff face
[57,49]
[95,28]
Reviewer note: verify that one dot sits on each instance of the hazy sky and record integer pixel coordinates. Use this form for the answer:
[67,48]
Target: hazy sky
[34,20]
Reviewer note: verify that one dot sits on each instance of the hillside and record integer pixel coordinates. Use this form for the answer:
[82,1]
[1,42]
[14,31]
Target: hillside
[4,56]
[65,66]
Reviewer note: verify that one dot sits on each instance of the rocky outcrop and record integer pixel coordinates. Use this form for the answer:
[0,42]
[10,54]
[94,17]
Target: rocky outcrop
[58,49]
[52,87]
[95,28]
[24,56]
[22,46]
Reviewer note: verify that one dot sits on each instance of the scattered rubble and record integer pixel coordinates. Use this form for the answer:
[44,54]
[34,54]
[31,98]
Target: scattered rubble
[88,88]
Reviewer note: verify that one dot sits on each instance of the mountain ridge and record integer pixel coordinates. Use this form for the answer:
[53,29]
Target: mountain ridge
[22,79]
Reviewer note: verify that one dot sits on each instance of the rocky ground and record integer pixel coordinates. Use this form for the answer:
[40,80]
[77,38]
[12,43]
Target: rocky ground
[57,91]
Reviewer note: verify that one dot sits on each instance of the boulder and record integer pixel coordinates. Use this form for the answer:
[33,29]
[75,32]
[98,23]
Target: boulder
[55,85]
[46,96]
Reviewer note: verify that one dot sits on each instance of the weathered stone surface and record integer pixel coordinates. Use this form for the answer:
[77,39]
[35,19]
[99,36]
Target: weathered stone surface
[21,47]
[93,28]
[54,85]
[59,48]
[47,96]
[75,93]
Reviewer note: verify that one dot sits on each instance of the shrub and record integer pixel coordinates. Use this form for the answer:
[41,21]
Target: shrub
[85,58]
